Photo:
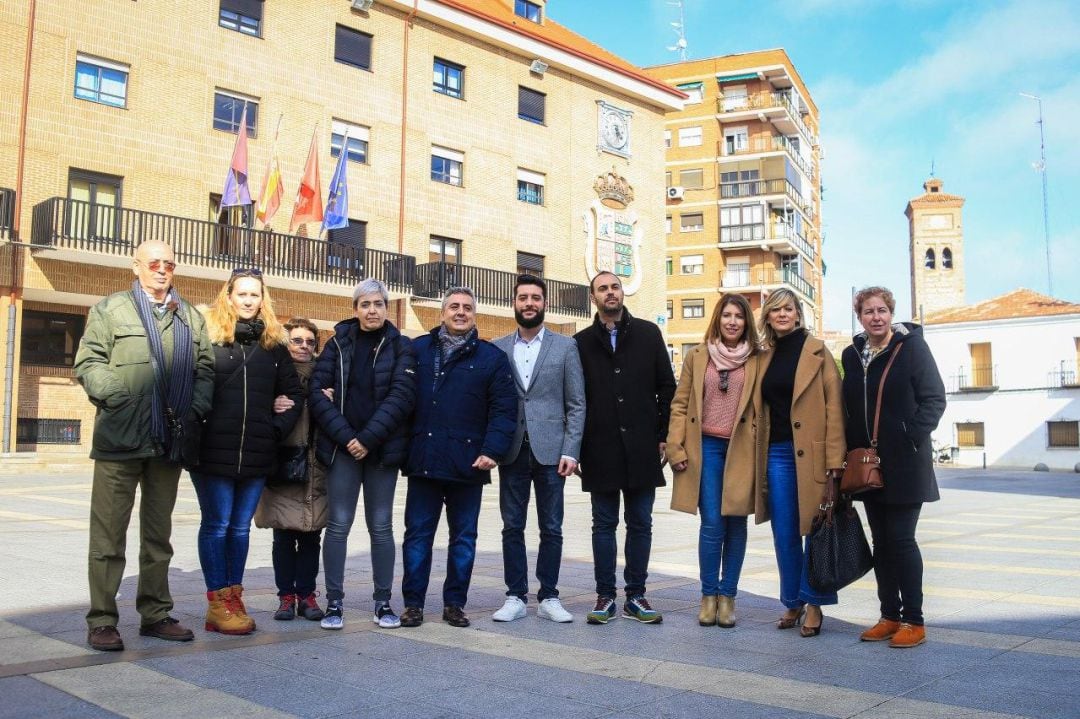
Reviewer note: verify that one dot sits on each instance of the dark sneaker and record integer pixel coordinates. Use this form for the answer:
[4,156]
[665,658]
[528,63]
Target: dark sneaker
[168,629]
[637,607]
[286,610]
[603,612]
[333,618]
[455,617]
[412,617]
[385,617]
[308,607]
[105,639]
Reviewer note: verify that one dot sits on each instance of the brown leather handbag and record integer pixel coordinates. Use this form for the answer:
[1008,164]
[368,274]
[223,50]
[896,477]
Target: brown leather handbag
[862,466]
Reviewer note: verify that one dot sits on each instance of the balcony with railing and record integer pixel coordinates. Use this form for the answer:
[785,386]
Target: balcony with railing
[777,106]
[757,188]
[772,143]
[7,213]
[781,234]
[1064,375]
[496,287]
[746,279]
[975,378]
[64,224]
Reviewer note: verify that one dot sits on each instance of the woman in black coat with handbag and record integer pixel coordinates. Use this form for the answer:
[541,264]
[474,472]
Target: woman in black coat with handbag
[912,403]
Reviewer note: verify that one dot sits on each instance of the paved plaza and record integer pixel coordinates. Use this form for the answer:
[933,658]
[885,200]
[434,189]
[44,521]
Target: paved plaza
[1002,586]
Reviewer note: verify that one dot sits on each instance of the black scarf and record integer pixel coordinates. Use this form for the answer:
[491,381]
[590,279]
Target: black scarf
[172,391]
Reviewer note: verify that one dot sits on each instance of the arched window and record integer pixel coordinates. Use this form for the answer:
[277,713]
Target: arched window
[946,259]
[928,260]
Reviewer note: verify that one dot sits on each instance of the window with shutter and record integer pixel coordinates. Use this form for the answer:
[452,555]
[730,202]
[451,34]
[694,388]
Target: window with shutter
[970,434]
[530,264]
[345,248]
[352,47]
[244,16]
[531,105]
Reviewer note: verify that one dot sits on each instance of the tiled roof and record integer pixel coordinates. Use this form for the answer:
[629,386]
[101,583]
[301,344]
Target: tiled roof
[1018,303]
[934,196]
[552,33]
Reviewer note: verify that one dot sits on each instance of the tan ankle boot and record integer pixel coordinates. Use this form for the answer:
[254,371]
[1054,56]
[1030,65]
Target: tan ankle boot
[725,611]
[221,615]
[238,602]
[707,616]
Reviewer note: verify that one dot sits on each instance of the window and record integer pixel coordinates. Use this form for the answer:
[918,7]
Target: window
[448,78]
[668,267]
[969,434]
[736,140]
[693,309]
[242,16]
[528,10]
[737,273]
[352,47]
[101,81]
[695,90]
[34,430]
[530,187]
[444,249]
[670,309]
[742,223]
[530,264]
[667,224]
[735,97]
[946,259]
[358,140]
[345,248]
[667,138]
[531,105]
[686,347]
[446,165]
[94,212]
[229,107]
[230,237]
[667,179]
[692,264]
[1063,434]
[928,259]
[689,136]
[692,179]
[51,338]
[693,222]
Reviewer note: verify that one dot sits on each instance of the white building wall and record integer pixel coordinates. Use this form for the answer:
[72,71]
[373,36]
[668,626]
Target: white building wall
[1034,362]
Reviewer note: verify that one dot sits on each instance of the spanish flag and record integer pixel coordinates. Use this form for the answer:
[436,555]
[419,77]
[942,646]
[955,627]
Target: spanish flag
[272,188]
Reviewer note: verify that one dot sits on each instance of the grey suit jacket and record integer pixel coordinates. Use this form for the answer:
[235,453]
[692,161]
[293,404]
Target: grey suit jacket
[552,410]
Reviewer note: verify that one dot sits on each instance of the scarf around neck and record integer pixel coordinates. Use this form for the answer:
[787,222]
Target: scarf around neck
[726,358]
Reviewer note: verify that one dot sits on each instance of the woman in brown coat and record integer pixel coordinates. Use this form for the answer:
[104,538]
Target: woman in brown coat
[296,511]
[801,429]
[711,450]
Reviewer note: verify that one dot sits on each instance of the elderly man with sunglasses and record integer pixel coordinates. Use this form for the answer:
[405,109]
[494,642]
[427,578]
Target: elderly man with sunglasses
[146,363]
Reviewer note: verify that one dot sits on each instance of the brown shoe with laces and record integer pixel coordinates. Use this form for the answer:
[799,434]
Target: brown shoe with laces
[909,635]
[105,639]
[455,617]
[169,629]
[412,617]
[884,629]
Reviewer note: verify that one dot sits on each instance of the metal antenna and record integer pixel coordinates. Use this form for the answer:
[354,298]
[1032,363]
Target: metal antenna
[1040,167]
[680,30]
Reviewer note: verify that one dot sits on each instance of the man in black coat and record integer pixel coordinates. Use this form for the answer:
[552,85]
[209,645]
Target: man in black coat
[628,389]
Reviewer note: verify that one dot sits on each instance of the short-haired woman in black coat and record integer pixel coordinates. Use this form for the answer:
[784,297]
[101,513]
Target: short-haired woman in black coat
[913,401]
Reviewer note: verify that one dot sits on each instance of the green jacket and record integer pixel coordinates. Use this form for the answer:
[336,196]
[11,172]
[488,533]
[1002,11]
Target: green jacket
[113,366]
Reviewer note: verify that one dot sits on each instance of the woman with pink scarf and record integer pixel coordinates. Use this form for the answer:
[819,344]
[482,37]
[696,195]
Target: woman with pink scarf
[711,450]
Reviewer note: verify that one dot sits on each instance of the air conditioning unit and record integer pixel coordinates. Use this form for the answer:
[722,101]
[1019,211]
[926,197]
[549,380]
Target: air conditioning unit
[675,193]
[362,5]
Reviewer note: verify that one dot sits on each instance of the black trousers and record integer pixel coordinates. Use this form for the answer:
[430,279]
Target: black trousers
[296,561]
[898,564]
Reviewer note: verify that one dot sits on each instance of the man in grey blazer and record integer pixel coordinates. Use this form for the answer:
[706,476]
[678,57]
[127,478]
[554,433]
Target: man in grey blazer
[543,453]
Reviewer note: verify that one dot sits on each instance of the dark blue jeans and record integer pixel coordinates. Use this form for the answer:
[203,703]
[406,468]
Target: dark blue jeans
[296,561]
[515,483]
[638,517]
[792,558]
[721,540]
[423,509]
[227,506]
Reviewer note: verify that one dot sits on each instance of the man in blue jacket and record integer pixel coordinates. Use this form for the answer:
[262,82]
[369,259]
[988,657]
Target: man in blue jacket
[465,416]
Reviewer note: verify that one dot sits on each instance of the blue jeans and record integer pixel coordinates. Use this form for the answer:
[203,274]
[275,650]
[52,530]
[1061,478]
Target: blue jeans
[638,517]
[423,509]
[721,540]
[515,483]
[227,506]
[792,558]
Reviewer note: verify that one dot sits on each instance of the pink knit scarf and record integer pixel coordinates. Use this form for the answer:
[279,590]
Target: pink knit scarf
[726,358]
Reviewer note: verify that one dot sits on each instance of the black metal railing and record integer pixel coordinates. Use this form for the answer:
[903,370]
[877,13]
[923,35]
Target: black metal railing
[496,287]
[1064,376]
[73,224]
[32,430]
[974,379]
[7,212]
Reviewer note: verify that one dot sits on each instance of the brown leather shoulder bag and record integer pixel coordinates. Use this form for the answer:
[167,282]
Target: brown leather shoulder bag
[862,466]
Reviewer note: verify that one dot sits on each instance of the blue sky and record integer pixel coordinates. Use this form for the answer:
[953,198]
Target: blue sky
[901,84]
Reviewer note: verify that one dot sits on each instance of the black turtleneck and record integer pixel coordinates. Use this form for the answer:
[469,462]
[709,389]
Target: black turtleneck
[778,384]
[360,395]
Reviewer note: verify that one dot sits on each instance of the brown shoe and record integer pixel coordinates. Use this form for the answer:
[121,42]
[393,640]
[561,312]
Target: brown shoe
[168,629]
[909,635]
[412,617]
[707,616]
[455,617]
[884,629]
[105,639]
[725,612]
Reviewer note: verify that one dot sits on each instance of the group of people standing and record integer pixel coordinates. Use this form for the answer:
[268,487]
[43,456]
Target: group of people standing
[274,431]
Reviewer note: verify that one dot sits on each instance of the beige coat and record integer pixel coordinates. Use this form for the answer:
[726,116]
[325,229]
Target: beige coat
[684,439]
[817,425]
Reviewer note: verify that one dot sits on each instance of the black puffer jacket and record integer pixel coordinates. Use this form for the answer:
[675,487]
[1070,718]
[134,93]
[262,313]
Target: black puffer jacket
[241,434]
[386,433]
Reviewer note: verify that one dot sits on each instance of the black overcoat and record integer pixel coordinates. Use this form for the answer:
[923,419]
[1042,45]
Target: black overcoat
[912,404]
[628,395]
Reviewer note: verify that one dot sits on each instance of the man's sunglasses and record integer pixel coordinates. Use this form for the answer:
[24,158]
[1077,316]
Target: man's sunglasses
[158,265]
[300,341]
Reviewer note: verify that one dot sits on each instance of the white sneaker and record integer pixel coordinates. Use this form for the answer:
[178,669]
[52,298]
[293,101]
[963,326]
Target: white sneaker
[551,608]
[512,609]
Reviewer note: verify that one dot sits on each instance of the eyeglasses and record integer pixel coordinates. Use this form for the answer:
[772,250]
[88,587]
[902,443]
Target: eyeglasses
[158,265]
[300,341]
[724,375]
[246,272]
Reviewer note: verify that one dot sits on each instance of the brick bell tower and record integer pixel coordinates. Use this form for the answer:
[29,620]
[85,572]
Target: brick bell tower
[936,248]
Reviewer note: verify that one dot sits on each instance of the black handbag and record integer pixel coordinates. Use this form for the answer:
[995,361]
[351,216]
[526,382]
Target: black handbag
[839,552]
[293,466]
[185,439]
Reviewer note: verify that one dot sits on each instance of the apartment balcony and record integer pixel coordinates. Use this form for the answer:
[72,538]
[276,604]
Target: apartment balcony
[496,287]
[774,143]
[774,107]
[777,236]
[748,280]
[1065,376]
[79,231]
[976,378]
[7,213]
[779,188]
